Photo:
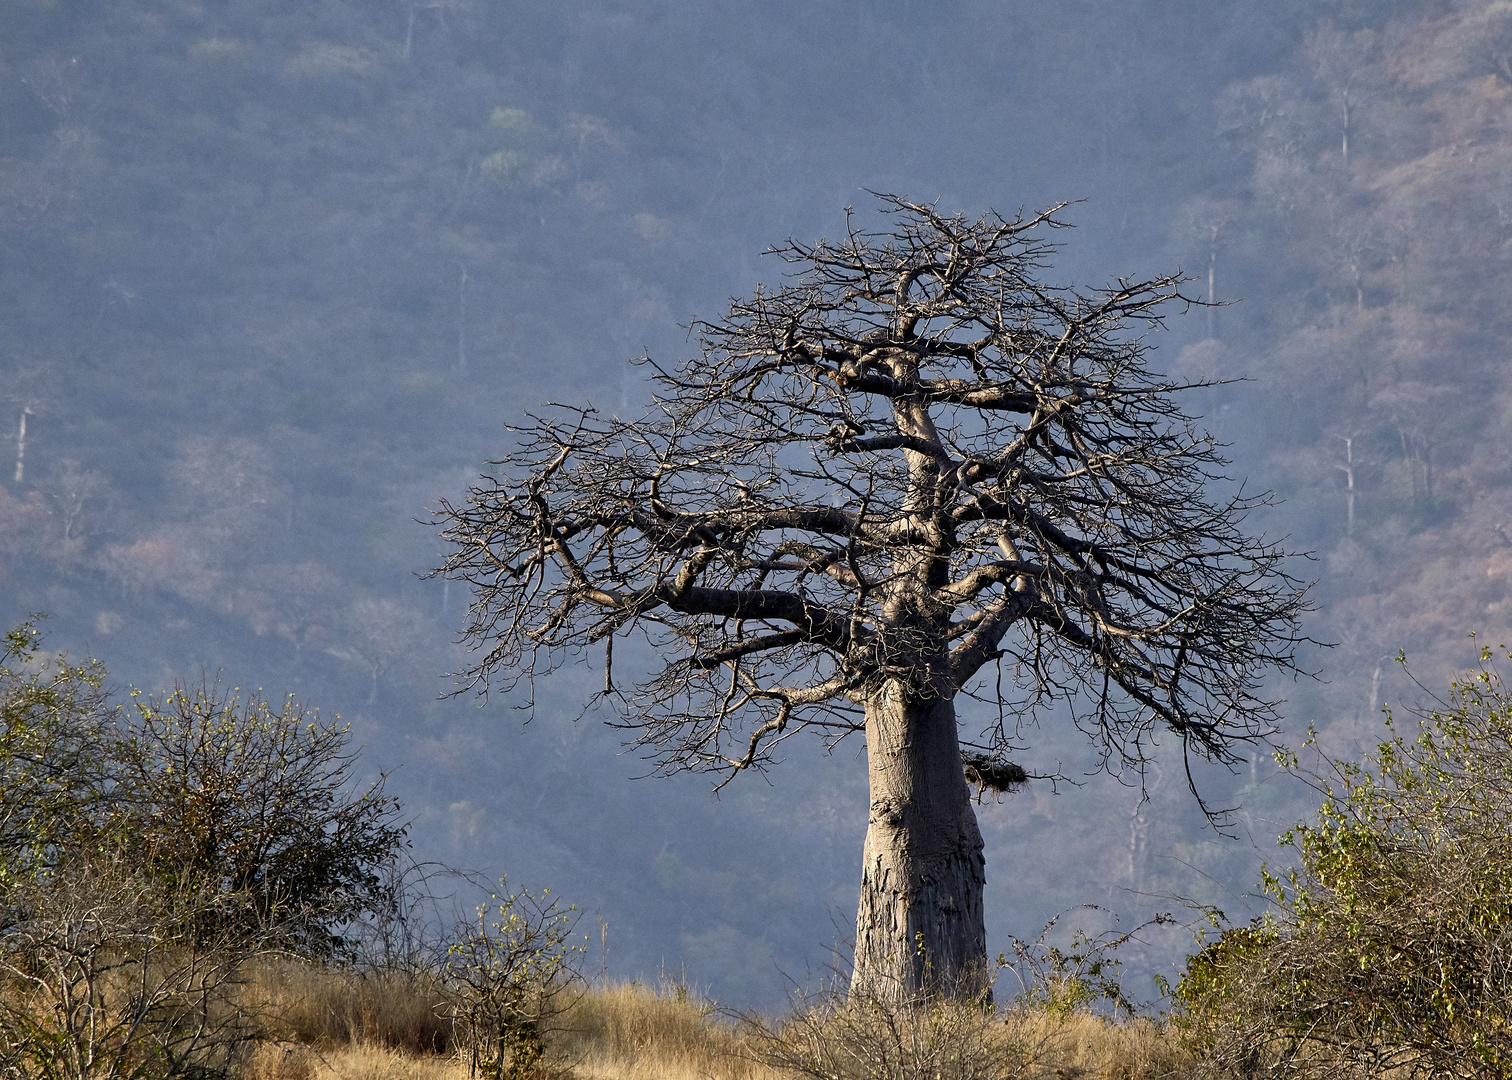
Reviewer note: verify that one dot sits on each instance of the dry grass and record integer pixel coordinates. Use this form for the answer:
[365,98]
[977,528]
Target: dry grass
[631,1032]
[877,1040]
[359,1061]
[332,1008]
[336,1025]
[1079,1045]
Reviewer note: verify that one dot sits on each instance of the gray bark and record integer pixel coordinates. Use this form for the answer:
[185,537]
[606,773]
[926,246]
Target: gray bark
[920,923]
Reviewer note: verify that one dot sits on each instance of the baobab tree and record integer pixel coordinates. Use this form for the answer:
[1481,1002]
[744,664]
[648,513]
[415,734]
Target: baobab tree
[910,473]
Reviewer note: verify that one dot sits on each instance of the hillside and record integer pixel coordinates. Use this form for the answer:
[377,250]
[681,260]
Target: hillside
[273,277]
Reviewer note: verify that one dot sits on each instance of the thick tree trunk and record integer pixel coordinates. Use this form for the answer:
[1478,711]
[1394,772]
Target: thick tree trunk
[920,925]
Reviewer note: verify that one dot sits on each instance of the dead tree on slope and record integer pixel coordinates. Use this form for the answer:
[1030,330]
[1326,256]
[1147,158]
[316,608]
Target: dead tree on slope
[909,473]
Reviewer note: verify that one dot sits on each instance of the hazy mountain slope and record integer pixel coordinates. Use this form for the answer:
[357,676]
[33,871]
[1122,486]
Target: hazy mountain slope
[1372,249]
[273,276]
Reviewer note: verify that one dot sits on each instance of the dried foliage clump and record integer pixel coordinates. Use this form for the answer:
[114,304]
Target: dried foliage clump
[1391,953]
[894,1036]
[991,772]
[958,1036]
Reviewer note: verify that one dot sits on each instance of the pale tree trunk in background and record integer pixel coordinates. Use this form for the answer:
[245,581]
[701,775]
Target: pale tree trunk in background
[920,923]
[1212,289]
[21,446]
[462,322]
[1348,112]
[1349,480]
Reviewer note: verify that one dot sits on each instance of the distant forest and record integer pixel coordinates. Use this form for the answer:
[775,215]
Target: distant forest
[273,275]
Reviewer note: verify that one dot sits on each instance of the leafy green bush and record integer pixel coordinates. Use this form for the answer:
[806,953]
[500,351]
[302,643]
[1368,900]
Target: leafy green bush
[259,802]
[148,852]
[199,789]
[53,778]
[1390,945]
[506,979]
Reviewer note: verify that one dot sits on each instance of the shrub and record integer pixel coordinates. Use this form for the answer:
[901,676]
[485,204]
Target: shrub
[508,979]
[203,789]
[1085,975]
[1390,945]
[889,1037]
[258,802]
[53,781]
[146,857]
[97,983]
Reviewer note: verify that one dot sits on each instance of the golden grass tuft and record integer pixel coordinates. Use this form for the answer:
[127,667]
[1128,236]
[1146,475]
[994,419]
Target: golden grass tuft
[359,1061]
[1079,1045]
[329,1007]
[632,1032]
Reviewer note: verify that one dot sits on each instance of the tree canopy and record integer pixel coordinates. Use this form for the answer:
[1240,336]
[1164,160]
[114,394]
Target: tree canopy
[912,459]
